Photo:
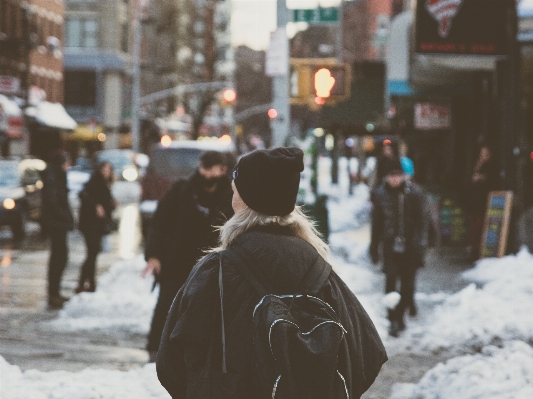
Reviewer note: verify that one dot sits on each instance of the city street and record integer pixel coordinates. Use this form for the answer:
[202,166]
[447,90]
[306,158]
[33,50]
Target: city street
[23,308]
[28,342]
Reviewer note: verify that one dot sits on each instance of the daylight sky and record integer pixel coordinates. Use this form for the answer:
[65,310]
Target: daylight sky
[253,20]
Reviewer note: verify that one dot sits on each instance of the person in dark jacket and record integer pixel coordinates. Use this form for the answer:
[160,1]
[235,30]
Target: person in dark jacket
[97,205]
[484,180]
[57,220]
[183,227]
[401,215]
[282,247]
[387,154]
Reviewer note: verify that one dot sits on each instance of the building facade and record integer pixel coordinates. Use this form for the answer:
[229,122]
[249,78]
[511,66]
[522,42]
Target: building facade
[97,68]
[31,39]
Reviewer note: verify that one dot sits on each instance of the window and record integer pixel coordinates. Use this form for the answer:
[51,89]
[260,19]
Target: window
[125,38]
[81,33]
[80,88]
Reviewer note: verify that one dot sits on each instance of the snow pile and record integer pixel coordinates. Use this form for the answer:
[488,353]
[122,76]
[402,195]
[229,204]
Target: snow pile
[505,373]
[345,211]
[123,302]
[140,383]
[350,212]
[500,311]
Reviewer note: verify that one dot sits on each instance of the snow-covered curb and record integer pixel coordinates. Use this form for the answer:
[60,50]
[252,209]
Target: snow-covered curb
[139,383]
[505,373]
[478,316]
[122,303]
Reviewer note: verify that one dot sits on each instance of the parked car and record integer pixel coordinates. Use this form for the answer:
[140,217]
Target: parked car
[124,163]
[20,193]
[170,163]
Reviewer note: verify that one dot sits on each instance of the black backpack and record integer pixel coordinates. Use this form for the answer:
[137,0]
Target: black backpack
[297,338]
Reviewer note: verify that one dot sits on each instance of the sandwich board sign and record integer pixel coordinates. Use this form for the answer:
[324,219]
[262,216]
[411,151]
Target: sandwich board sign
[496,226]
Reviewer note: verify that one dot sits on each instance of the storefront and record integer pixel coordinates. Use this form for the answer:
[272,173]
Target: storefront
[46,122]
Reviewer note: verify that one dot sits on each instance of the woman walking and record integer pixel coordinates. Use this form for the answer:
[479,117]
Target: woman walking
[216,343]
[97,204]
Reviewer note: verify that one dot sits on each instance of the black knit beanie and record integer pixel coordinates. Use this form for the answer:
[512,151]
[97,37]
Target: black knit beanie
[268,180]
[392,165]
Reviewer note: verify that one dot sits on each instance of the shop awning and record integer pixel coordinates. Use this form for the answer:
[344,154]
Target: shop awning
[11,108]
[52,115]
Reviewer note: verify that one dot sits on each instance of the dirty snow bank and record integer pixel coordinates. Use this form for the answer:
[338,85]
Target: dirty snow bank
[478,316]
[123,302]
[496,373]
[139,383]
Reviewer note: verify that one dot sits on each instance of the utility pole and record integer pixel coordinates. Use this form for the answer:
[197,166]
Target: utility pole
[280,88]
[136,89]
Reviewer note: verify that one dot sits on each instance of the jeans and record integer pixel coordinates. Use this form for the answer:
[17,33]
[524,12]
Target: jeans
[93,242]
[167,292]
[400,270]
[57,261]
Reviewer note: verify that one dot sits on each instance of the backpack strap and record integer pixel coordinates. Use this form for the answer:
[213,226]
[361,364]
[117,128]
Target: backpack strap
[237,260]
[316,277]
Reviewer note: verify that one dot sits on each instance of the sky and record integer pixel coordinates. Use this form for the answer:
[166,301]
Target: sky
[253,20]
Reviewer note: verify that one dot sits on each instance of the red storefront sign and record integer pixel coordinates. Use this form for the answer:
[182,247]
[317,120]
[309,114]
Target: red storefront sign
[432,116]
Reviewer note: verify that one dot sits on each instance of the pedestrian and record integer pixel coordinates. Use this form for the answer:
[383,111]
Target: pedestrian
[407,163]
[484,180]
[209,347]
[183,227]
[57,220]
[387,153]
[95,221]
[401,215]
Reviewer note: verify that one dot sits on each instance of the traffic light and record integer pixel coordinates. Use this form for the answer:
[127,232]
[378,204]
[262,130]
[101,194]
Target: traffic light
[228,97]
[272,113]
[319,81]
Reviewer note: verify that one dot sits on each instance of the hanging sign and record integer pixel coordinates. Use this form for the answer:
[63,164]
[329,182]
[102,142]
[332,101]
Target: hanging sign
[432,116]
[468,27]
[496,227]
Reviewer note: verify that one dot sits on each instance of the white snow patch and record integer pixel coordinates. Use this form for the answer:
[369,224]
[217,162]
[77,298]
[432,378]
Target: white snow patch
[495,373]
[499,311]
[141,383]
[123,302]
[391,300]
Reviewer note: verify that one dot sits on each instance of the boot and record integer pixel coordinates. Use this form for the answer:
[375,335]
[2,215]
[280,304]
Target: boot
[56,301]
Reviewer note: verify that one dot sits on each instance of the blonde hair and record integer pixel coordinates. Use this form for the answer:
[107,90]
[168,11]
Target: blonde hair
[299,224]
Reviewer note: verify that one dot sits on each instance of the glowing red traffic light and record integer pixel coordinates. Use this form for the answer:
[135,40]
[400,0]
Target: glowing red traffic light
[229,95]
[272,113]
[531,156]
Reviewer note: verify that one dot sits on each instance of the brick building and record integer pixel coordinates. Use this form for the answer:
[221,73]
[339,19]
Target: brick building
[31,39]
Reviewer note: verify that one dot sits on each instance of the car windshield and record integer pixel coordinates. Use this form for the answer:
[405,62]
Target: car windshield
[118,161]
[175,162]
[9,176]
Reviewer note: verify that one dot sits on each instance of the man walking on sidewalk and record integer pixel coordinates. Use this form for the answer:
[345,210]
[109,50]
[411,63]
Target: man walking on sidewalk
[58,221]
[183,228]
[400,213]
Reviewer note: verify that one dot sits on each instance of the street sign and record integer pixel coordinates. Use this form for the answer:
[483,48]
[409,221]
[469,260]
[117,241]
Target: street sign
[277,56]
[9,84]
[316,16]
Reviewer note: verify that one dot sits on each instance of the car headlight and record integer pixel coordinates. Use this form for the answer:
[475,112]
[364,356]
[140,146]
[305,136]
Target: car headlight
[9,203]
[130,174]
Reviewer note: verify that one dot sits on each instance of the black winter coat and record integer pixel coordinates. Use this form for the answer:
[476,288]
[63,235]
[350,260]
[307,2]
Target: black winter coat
[95,192]
[284,260]
[56,213]
[183,228]
[478,193]
[415,218]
